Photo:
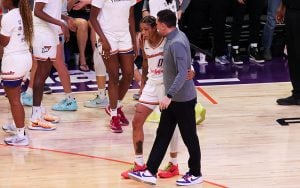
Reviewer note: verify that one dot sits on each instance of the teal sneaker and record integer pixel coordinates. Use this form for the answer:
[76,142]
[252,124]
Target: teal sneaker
[66,105]
[26,99]
[97,102]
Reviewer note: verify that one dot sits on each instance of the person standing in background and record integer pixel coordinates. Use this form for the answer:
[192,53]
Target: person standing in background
[114,23]
[269,27]
[177,105]
[290,10]
[255,8]
[200,12]
[16,38]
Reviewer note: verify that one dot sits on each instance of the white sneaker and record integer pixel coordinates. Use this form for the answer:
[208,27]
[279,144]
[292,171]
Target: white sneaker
[189,179]
[9,128]
[16,140]
[143,176]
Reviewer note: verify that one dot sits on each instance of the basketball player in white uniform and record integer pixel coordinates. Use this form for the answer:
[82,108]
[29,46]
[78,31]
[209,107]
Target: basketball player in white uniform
[152,93]
[68,103]
[47,25]
[113,21]
[16,37]
[101,100]
[154,6]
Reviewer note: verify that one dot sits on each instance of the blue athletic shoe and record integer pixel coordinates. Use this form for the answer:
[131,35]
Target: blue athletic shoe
[96,102]
[26,99]
[189,179]
[143,176]
[66,105]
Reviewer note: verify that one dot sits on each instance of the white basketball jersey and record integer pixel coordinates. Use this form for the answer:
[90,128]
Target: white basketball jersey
[157,5]
[155,56]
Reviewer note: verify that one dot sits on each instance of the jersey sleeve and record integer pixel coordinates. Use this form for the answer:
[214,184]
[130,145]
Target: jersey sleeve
[98,3]
[6,26]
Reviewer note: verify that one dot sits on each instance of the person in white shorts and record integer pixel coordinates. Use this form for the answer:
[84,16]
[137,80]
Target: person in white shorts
[152,93]
[16,38]
[101,100]
[69,103]
[113,21]
[152,8]
[47,26]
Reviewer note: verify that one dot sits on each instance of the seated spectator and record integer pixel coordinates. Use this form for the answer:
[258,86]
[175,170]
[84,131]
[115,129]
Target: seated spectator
[80,11]
[255,8]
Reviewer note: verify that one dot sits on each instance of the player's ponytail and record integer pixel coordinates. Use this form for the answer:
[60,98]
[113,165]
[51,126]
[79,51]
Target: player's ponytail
[26,15]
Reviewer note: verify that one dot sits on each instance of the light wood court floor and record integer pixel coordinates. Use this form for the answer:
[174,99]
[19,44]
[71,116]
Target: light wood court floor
[241,144]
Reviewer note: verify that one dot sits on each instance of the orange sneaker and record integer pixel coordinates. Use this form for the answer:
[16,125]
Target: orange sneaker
[51,118]
[170,171]
[41,125]
[135,167]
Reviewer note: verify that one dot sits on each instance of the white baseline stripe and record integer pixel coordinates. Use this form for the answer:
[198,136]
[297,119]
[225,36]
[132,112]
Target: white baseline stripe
[218,80]
[94,86]
[61,87]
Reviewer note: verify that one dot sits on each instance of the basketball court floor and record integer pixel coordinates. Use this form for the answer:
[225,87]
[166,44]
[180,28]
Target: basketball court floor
[242,145]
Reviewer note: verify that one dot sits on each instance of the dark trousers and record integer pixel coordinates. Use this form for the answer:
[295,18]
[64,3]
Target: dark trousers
[255,8]
[183,114]
[200,13]
[293,48]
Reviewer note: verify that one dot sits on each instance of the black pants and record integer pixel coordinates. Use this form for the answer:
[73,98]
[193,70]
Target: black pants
[182,113]
[293,48]
[255,8]
[200,12]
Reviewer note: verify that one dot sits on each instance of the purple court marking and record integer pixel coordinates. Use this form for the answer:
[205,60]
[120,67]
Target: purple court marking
[209,74]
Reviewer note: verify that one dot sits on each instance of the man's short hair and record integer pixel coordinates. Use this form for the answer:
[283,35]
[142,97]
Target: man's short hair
[167,17]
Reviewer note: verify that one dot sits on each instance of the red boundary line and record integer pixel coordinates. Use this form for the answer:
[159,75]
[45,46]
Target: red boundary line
[69,153]
[205,94]
[90,156]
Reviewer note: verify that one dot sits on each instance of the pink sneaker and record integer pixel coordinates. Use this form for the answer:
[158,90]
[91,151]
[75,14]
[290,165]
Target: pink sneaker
[124,121]
[115,125]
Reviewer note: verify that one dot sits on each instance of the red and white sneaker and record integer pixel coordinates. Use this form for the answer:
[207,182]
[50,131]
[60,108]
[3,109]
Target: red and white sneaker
[124,121]
[170,171]
[115,125]
[135,168]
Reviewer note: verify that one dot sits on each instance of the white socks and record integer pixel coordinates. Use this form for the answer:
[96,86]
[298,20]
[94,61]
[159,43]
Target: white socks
[29,91]
[139,160]
[36,112]
[119,105]
[21,132]
[174,161]
[113,112]
[69,96]
[102,93]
